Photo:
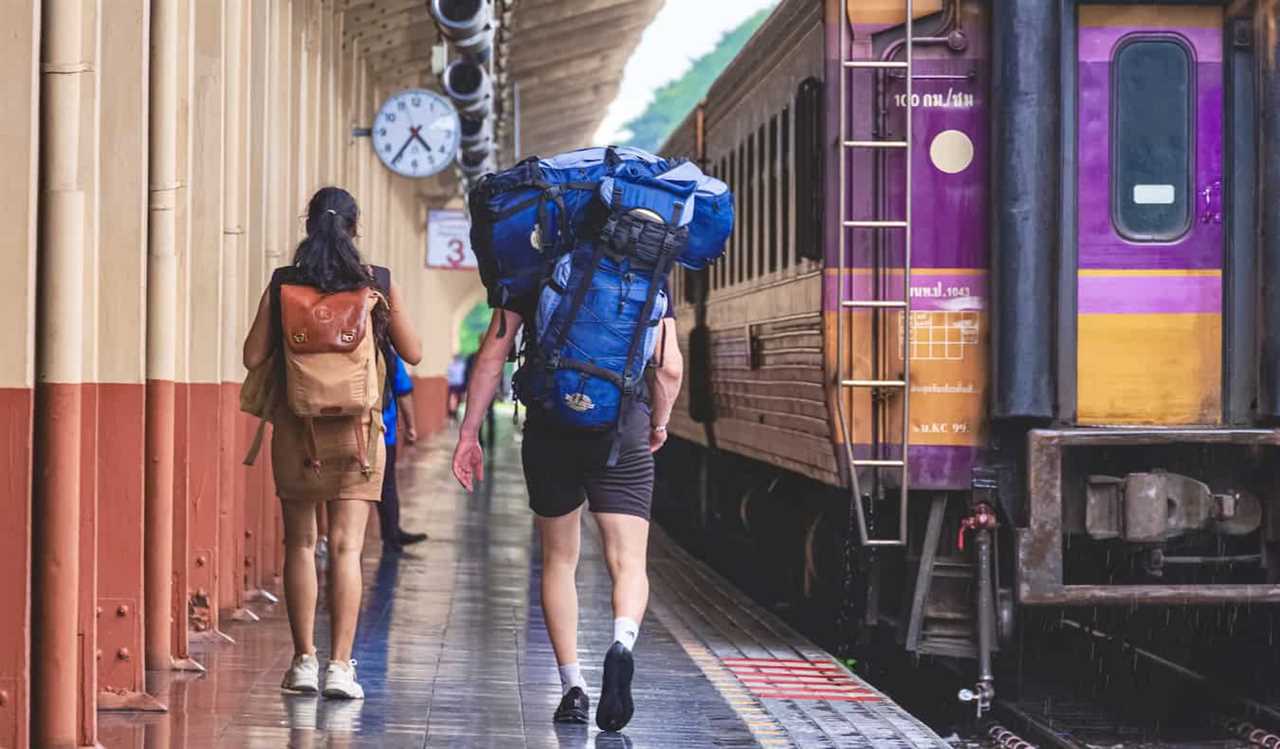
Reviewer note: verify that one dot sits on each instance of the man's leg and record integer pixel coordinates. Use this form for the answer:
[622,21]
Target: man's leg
[626,539]
[389,507]
[626,545]
[561,538]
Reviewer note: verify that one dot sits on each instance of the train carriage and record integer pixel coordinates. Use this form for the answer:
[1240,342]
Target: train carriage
[998,318]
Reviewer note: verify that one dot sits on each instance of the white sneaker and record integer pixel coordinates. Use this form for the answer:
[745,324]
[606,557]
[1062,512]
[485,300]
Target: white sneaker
[340,681]
[303,676]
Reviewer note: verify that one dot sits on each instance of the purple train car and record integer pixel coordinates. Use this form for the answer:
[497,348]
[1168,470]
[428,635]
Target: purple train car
[999,325]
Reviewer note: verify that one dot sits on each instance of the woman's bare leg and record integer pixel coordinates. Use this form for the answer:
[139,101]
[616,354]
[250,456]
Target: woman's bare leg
[347,520]
[300,573]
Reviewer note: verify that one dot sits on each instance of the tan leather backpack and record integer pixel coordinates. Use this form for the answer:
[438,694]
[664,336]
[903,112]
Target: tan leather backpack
[331,363]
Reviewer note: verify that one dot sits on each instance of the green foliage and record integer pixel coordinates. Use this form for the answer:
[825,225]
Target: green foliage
[673,102]
[472,329]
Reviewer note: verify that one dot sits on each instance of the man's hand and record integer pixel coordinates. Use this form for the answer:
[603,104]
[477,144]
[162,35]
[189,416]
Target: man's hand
[657,438]
[411,434]
[468,462]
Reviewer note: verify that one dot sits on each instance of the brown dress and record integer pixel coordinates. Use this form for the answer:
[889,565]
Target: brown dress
[339,476]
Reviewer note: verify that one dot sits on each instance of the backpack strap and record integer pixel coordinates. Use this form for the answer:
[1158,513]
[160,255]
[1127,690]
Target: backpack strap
[255,446]
[666,257]
[381,279]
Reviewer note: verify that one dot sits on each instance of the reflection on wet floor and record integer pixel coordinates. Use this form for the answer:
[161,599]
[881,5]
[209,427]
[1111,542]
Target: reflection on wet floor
[452,650]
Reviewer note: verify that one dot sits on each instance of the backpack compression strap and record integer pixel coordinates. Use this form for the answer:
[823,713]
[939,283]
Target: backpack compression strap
[666,256]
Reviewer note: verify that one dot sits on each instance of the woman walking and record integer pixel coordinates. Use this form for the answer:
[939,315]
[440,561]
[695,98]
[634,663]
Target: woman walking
[325,298]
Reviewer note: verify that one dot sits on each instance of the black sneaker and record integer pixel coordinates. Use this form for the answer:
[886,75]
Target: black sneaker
[574,707]
[408,539]
[615,696]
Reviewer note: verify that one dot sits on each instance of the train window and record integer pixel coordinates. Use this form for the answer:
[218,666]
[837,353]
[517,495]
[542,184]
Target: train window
[1151,136]
[731,267]
[724,262]
[753,185]
[744,238]
[810,148]
[773,195]
[784,182]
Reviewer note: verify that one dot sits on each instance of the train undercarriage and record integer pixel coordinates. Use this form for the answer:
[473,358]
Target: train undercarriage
[1125,519]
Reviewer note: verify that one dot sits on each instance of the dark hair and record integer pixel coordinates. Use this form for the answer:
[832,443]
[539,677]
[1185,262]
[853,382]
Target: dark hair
[327,257]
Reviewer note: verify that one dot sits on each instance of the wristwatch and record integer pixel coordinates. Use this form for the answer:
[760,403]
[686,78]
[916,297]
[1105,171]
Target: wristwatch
[659,428]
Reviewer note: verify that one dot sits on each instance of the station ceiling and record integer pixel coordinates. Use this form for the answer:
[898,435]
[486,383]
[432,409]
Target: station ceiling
[564,57]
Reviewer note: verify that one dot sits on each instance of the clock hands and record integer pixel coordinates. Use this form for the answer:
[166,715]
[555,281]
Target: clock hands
[423,142]
[413,133]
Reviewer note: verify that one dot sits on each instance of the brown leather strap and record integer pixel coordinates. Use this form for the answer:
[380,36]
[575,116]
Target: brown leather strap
[256,445]
[313,451]
[362,447]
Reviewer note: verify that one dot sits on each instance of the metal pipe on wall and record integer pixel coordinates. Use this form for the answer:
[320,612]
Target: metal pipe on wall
[162,279]
[1025,187]
[230,533]
[60,370]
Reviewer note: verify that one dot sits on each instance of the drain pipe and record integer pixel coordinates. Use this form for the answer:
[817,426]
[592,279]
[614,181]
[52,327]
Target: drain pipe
[162,280]
[60,370]
[230,534]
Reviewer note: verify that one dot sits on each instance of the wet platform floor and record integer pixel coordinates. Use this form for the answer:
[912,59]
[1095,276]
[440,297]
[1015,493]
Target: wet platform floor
[453,652]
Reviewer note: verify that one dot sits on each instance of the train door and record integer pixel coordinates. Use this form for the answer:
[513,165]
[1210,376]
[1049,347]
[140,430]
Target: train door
[1150,232]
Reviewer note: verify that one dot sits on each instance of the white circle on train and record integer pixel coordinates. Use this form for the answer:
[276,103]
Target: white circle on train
[951,151]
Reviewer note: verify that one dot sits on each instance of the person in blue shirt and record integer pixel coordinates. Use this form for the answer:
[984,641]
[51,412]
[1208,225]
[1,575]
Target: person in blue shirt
[394,538]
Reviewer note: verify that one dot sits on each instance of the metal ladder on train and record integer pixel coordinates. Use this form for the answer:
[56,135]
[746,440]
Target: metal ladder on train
[877,460]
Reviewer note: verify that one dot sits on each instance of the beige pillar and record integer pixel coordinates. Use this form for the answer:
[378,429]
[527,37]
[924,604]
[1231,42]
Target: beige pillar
[19,159]
[206,322]
[235,125]
[122,371]
[67,151]
[162,291]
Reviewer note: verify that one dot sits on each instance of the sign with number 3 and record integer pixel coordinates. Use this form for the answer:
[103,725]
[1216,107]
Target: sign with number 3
[449,240]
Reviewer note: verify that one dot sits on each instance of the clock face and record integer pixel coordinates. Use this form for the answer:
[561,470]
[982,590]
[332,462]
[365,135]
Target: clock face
[416,133]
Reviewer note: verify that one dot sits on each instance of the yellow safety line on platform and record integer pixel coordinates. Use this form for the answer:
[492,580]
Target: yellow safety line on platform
[766,729]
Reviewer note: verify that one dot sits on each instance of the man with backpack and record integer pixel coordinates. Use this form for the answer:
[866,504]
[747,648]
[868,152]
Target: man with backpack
[576,253]
[562,467]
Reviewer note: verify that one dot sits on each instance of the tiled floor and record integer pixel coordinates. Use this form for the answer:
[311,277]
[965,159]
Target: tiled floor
[453,653]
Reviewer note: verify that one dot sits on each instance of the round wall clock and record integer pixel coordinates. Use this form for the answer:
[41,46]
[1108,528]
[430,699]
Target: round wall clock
[416,133]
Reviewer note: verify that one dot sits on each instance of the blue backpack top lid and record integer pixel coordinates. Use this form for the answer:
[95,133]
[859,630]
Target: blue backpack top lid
[541,208]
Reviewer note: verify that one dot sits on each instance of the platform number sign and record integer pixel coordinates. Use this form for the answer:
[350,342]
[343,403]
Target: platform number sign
[416,133]
[449,241]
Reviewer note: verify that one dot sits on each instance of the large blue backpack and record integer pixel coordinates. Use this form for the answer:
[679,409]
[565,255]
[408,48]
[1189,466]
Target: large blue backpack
[594,233]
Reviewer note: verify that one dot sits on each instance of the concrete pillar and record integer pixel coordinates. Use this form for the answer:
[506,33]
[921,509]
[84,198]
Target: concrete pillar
[262,24]
[206,322]
[122,310]
[235,124]
[162,295]
[68,58]
[19,157]
[181,547]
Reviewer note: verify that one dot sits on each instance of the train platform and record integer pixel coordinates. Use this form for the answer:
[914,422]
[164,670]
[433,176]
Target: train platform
[452,651]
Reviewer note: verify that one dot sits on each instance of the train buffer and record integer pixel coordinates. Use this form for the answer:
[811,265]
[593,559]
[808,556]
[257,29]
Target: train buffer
[452,651]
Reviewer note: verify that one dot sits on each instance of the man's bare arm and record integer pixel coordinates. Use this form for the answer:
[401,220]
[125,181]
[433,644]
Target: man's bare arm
[669,373]
[486,373]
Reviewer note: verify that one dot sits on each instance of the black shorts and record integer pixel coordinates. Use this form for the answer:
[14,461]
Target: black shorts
[561,469]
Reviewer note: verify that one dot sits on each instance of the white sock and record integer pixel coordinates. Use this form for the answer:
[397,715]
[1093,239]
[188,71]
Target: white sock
[626,631]
[570,677]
